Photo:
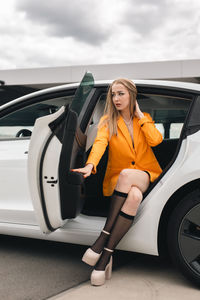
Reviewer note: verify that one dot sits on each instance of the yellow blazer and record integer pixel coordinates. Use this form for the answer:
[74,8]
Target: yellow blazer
[122,154]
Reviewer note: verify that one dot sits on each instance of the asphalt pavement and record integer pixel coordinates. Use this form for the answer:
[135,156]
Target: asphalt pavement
[142,277]
[37,270]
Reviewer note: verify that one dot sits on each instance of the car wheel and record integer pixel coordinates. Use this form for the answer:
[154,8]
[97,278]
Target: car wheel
[183,236]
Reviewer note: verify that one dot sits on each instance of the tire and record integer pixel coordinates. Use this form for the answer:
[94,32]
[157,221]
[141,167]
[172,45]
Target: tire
[183,236]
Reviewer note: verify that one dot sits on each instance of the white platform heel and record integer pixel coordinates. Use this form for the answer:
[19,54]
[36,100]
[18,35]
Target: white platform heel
[99,277]
[90,257]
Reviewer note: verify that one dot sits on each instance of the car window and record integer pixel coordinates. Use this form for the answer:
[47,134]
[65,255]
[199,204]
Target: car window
[82,93]
[20,123]
[168,112]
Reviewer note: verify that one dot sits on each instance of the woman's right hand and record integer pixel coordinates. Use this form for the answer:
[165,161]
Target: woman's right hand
[86,171]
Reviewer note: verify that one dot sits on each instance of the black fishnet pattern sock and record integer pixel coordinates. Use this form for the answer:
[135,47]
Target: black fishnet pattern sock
[121,227]
[116,203]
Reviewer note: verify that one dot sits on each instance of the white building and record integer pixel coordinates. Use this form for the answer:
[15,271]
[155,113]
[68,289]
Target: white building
[20,81]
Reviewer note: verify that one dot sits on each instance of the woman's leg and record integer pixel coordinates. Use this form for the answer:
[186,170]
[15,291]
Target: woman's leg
[117,200]
[128,211]
[130,177]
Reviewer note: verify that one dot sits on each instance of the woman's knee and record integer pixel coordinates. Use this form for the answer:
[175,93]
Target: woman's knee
[135,195]
[124,176]
[132,201]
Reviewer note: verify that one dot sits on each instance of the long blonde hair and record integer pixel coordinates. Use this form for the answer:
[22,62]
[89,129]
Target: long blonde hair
[110,112]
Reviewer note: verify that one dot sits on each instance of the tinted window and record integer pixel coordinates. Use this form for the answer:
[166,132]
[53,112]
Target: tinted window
[168,112]
[82,92]
[20,123]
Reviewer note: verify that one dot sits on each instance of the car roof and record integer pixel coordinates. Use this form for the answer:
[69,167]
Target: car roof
[190,86]
[187,86]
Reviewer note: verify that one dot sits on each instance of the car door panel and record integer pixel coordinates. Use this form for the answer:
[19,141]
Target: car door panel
[39,139]
[57,192]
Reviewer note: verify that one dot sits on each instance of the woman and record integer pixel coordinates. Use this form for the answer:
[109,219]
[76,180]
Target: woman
[131,166]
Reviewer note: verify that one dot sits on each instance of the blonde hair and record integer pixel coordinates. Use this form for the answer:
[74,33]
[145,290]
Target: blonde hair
[110,112]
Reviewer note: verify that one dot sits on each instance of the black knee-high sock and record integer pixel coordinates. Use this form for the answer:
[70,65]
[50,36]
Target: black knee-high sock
[121,227]
[117,201]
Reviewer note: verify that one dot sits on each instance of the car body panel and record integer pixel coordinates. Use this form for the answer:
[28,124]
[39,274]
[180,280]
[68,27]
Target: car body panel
[14,192]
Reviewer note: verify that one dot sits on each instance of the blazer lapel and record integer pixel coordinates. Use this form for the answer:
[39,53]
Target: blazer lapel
[136,131]
[124,130]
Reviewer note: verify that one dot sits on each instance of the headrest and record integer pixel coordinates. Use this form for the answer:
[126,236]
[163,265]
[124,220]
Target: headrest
[98,113]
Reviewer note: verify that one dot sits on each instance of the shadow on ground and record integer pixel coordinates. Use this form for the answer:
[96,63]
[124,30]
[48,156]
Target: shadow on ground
[35,269]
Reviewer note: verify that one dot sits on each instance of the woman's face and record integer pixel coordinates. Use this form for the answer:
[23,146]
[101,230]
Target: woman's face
[120,97]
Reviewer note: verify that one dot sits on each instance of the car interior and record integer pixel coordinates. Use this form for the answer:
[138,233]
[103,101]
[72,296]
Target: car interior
[169,114]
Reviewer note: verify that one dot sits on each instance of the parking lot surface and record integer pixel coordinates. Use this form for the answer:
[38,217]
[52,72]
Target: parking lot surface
[38,270]
[144,278]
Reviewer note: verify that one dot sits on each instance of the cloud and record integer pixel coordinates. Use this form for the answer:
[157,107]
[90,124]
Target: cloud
[47,33]
[145,16]
[80,19]
[150,19]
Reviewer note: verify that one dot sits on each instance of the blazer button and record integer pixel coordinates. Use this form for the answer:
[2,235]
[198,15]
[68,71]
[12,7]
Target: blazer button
[133,162]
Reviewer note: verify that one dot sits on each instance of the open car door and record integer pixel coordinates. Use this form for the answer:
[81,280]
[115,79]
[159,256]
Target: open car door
[56,144]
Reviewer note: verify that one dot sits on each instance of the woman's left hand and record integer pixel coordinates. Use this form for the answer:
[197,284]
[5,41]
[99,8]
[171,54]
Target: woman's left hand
[138,113]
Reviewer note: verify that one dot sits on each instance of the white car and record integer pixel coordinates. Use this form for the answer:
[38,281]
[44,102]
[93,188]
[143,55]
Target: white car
[45,134]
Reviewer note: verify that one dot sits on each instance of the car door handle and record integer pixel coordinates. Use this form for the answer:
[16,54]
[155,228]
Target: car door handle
[52,181]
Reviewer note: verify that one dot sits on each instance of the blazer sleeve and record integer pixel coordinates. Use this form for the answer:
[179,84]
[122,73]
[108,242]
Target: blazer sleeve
[99,147]
[152,134]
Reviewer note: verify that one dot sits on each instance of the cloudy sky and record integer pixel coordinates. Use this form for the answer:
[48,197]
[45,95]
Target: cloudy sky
[48,33]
